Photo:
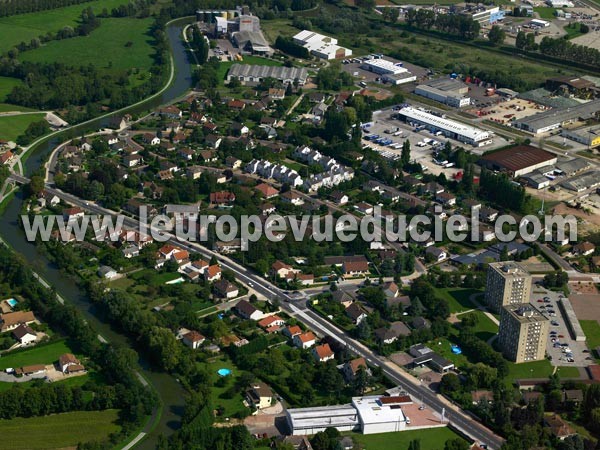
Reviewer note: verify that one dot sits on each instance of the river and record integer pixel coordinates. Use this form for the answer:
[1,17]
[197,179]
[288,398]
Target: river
[168,389]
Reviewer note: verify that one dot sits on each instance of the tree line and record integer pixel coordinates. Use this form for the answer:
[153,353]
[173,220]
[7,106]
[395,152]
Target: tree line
[459,25]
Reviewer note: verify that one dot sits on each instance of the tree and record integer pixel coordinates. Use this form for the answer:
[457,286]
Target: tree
[164,348]
[415,444]
[456,444]
[360,383]
[405,155]
[521,40]
[496,35]
[391,14]
[450,383]
[36,185]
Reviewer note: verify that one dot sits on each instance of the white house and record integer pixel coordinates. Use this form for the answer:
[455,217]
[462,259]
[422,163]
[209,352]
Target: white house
[323,353]
[304,340]
[24,334]
[193,340]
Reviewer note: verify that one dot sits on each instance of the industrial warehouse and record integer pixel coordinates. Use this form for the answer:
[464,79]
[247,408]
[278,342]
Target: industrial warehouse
[556,118]
[450,128]
[368,414]
[445,90]
[589,136]
[393,73]
[253,74]
[518,161]
[321,46]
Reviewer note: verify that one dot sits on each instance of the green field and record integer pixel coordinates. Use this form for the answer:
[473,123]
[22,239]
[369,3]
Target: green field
[7,85]
[591,329]
[5,107]
[458,298]
[230,405]
[58,430]
[12,127]
[46,354]
[546,13]
[109,40]
[538,369]
[25,27]
[432,439]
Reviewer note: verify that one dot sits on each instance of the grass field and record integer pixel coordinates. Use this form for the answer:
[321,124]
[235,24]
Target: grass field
[46,354]
[58,430]
[433,439]
[7,85]
[591,328]
[5,107]
[458,298]
[538,369]
[109,39]
[12,127]
[25,27]
[230,405]
[546,13]
[573,32]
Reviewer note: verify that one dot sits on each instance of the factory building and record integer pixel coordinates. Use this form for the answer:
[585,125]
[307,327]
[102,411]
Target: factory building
[507,283]
[523,333]
[368,414]
[518,161]
[483,14]
[445,90]
[254,74]
[383,67]
[321,46]
[556,118]
[589,136]
[450,128]
[252,42]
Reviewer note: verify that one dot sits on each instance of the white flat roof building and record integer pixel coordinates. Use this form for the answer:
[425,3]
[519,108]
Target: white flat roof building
[322,46]
[369,414]
[383,67]
[457,130]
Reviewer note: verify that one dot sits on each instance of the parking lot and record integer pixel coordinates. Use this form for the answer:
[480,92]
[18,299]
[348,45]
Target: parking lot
[419,151]
[563,350]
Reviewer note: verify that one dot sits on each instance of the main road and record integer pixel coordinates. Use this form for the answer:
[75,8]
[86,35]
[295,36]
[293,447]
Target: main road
[458,418]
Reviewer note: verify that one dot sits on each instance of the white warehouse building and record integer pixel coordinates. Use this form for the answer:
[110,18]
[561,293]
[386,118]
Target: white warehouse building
[368,414]
[433,93]
[450,128]
[383,67]
[321,46]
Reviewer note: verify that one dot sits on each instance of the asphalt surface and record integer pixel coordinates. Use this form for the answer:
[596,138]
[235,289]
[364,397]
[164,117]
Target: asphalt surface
[453,415]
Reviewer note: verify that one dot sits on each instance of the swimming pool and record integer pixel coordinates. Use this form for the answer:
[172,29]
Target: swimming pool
[224,372]
[12,302]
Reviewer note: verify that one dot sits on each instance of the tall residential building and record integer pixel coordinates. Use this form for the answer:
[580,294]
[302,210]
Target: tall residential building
[507,283]
[523,333]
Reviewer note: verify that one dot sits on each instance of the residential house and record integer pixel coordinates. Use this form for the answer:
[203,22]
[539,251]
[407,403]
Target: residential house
[323,353]
[292,198]
[446,199]
[226,289]
[390,289]
[259,395]
[304,340]
[213,141]
[356,313]
[559,428]
[6,157]
[233,163]
[364,208]
[342,297]
[182,212]
[420,323]
[583,249]
[482,396]
[239,129]
[277,93]
[292,331]
[246,310]
[68,363]
[236,104]
[150,139]
[48,200]
[339,198]
[132,160]
[267,191]
[385,335]
[73,214]
[193,340]
[267,208]
[107,272]
[487,214]
[280,269]
[208,156]
[351,368]
[355,268]
[438,254]
[304,279]
[170,112]
[213,273]
[433,188]
[222,198]
[186,153]
[271,324]
[24,334]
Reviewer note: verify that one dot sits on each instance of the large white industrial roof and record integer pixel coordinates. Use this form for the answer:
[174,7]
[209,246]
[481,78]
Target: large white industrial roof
[324,416]
[473,133]
[386,65]
[372,410]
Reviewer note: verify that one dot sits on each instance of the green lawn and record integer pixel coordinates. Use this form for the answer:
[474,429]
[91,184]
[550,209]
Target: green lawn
[573,32]
[45,354]
[11,127]
[5,107]
[58,430]
[25,27]
[591,328]
[485,328]
[230,405]
[111,40]
[538,369]
[458,298]
[6,85]
[432,439]
[545,13]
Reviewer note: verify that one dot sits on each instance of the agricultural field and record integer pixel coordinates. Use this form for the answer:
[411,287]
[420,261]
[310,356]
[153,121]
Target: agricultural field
[124,44]
[12,127]
[25,27]
[58,430]
[429,439]
[45,354]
